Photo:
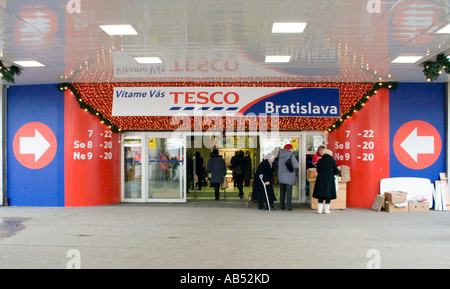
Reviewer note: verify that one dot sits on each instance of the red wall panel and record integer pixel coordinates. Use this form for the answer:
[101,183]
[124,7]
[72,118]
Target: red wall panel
[362,143]
[92,159]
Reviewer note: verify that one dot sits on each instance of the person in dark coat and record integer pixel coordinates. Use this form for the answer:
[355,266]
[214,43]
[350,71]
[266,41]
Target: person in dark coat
[199,169]
[189,172]
[216,166]
[237,166]
[248,172]
[325,187]
[266,170]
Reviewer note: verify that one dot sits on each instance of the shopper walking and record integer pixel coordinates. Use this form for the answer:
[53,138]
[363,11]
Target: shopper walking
[325,188]
[287,163]
[199,169]
[248,171]
[217,168]
[237,166]
[265,169]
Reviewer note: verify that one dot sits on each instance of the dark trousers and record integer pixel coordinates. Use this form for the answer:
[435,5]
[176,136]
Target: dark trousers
[200,180]
[327,200]
[286,196]
[216,190]
[239,181]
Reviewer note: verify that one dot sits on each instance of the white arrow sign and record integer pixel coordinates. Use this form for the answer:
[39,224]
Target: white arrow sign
[415,145]
[36,145]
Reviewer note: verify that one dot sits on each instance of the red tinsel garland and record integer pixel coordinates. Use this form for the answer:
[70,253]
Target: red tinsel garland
[99,96]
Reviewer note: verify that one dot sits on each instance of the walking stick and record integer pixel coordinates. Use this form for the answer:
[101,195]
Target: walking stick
[265,190]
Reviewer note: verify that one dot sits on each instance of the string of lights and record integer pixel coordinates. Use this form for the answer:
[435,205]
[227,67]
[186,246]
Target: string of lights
[96,98]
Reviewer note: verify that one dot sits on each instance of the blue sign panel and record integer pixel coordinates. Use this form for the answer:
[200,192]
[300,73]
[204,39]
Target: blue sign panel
[417,130]
[35,146]
[298,102]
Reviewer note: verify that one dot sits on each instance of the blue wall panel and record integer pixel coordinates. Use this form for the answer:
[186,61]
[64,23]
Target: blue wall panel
[35,187]
[422,102]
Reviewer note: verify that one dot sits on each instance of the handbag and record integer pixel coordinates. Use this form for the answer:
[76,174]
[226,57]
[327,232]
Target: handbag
[289,165]
[224,184]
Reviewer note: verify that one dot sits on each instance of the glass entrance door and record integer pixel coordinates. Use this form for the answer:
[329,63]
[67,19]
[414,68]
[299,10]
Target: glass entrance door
[132,175]
[154,168]
[165,172]
[274,145]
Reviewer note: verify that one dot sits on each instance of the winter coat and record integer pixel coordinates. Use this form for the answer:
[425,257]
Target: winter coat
[284,175]
[198,163]
[216,166]
[248,174]
[258,193]
[325,186]
[237,165]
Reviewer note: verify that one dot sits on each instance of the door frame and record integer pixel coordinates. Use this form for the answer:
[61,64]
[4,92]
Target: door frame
[302,135]
[145,136]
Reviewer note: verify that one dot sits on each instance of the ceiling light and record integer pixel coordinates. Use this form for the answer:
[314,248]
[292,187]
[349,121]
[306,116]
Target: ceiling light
[445,29]
[29,63]
[407,59]
[288,27]
[148,60]
[278,58]
[119,29]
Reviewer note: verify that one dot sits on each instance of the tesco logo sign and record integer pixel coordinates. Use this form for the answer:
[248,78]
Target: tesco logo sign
[204,97]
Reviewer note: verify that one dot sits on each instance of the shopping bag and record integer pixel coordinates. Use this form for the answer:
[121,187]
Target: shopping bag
[224,184]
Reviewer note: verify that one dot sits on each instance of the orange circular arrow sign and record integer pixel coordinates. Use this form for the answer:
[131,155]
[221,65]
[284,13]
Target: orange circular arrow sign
[35,145]
[417,144]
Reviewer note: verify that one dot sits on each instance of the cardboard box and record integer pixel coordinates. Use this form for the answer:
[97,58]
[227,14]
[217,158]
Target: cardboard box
[391,208]
[395,197]
[418,207]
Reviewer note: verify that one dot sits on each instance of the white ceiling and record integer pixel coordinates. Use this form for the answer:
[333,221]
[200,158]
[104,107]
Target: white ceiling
[227,40]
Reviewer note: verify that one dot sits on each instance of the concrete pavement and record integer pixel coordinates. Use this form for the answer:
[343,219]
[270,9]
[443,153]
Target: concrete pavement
[215,235]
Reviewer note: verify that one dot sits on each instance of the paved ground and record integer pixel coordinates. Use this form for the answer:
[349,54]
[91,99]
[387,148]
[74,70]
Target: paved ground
[208,234]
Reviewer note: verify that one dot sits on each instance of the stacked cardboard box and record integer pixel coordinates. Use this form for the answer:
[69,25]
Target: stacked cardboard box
[396,202]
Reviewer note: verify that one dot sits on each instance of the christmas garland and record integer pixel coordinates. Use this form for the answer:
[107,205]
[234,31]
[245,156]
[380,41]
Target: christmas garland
[360,104]
[86,107]
[433,69]
[8,73]
[357,107]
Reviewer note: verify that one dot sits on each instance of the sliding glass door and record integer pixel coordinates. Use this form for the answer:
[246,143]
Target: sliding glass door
[154,169]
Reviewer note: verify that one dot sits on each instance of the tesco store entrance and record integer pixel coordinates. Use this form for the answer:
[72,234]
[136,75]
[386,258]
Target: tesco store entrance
[164,167]
[159,166]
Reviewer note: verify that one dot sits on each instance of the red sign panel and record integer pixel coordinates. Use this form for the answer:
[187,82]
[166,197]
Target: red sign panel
[92,159]
[362,143]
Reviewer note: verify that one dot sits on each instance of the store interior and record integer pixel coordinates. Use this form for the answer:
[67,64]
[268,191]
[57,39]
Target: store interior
[173,175]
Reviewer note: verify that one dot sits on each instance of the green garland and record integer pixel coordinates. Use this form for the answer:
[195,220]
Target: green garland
[433,69]
[86,107]
[360,104]
[9,73]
